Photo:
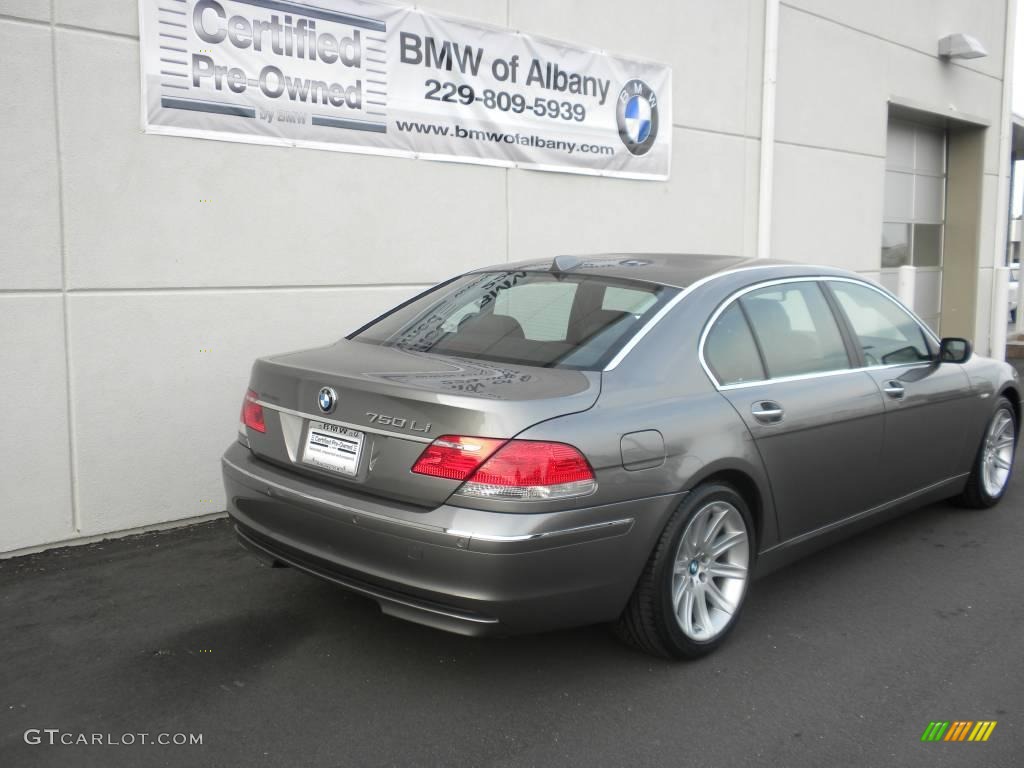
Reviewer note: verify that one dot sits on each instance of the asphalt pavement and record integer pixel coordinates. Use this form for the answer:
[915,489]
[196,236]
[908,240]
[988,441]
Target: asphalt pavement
[841,659]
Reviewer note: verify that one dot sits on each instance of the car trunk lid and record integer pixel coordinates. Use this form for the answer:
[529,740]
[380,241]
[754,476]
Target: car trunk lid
[389,404]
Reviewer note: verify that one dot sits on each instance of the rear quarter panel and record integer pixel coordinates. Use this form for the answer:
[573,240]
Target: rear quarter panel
[661,386]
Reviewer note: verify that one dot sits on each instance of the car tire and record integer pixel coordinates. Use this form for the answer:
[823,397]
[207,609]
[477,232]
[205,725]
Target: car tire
[993,464]
[683,607]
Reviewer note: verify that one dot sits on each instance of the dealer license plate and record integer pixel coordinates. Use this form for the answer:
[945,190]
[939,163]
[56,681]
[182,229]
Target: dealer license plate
[329,446]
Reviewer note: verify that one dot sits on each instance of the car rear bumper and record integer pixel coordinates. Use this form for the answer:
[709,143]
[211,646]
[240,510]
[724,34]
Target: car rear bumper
[468,571]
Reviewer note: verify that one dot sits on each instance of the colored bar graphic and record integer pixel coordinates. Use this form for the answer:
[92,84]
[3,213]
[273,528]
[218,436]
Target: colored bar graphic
[958,730]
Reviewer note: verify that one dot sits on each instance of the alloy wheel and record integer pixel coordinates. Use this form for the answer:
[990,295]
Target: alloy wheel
[997,453]
[710,571]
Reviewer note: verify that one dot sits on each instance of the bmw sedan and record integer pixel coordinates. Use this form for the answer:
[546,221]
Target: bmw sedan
[625,439]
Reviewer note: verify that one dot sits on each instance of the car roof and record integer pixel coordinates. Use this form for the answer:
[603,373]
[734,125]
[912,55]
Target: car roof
[675,269]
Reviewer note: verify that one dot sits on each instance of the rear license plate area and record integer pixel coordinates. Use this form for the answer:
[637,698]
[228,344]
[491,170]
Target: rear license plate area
[333,447]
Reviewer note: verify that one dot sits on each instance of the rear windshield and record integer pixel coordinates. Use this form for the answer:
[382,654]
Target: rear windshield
[524,318]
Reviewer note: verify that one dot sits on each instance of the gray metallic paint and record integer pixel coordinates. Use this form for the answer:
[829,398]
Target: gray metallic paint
[844,457]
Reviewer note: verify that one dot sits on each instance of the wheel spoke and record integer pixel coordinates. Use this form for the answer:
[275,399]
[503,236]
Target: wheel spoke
[714,527]
[727,570]
[703,616]
[1005,442]
[686,614]
[1001,462]
[716,597]
[726,543]
[692,540]
[678,591]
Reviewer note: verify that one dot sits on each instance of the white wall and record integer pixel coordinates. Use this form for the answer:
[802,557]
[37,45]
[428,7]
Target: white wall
[839,65]
[130,311]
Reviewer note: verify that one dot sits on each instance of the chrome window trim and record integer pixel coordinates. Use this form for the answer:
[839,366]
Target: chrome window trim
[805,376]
[683,293]
[357,427]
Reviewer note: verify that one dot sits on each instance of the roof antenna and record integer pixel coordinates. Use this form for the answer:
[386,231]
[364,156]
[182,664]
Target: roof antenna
[565,263]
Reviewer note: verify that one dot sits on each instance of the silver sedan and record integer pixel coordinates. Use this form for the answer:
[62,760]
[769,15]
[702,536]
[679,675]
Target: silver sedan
[623,439]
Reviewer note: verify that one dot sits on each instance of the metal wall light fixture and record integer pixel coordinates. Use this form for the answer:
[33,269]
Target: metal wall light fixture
[961,46]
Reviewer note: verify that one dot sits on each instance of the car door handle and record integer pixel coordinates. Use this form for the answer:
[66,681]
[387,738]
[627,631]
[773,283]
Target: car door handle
[767,411]
[894,390]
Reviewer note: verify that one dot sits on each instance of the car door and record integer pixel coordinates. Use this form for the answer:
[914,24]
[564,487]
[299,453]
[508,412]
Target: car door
[926,403]
[778,354]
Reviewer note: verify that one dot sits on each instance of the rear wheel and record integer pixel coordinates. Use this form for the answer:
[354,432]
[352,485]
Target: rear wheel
[692,588]
[994,463]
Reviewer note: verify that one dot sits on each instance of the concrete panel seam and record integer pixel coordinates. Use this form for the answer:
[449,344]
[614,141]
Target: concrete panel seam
[830,149]
[508,220]
[20,20]
[875,35]
[100,32]
[698,129]
[76,518]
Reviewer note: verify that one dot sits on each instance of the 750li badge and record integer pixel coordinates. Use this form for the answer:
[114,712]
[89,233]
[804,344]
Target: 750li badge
[399,423]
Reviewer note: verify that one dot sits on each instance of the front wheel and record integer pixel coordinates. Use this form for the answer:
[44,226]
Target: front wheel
[993,465]
[692,588]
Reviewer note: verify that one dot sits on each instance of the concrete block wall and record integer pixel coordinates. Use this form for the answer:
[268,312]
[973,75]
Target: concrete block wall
[130,311]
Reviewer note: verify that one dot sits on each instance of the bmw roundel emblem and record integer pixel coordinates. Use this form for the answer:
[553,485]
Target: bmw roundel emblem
[637,116]
[327,399]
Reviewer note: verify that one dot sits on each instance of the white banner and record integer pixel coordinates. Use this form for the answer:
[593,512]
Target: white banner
[361,76]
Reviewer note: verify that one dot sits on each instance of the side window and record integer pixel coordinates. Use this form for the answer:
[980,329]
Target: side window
[730,351]
[884,330]
[795,329]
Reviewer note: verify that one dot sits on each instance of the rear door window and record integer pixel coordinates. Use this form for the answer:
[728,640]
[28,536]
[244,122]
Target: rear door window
[527,318]
[795,329]
[730,350]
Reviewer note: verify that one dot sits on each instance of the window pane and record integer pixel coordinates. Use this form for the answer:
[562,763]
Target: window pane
[899,146]
[796,329]
[929,193]
[886,333]
[730,351]
[895,245]
[527,318]
[899,196]
[542,309]
[626,299]
[930,155]
[927,245]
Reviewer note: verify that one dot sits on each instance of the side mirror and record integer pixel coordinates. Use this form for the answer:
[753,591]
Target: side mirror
[953,350]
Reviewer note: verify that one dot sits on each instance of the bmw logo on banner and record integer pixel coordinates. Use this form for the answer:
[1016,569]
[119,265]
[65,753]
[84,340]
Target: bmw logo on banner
[327,399]
[637,117]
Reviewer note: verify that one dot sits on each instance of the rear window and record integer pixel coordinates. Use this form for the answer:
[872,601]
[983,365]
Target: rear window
[524,318]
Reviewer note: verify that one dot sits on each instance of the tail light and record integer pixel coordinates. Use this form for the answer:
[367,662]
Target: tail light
[252,412]
[454,457]
[526,470]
